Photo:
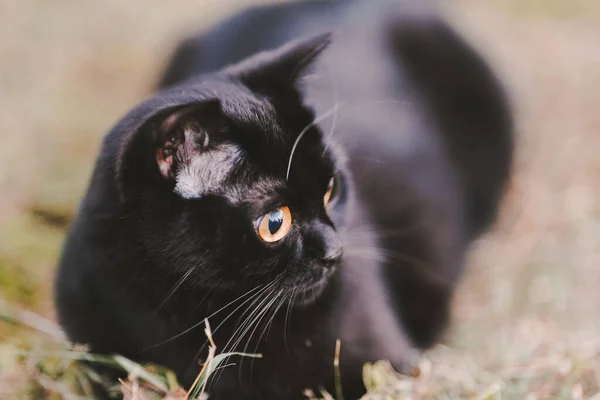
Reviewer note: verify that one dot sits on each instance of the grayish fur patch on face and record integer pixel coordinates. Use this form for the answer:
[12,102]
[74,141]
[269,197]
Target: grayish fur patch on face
[206,171]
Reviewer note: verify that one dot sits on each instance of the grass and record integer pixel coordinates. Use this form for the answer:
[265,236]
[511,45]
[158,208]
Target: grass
[52,368]
[526,320]
[49,367]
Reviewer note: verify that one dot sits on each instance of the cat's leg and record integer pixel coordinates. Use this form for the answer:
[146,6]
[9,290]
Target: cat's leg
[419,288]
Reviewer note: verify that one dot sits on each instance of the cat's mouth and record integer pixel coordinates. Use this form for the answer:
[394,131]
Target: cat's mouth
[307,296]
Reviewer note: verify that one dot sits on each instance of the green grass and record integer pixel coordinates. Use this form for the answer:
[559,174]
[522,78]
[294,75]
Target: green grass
[526,322]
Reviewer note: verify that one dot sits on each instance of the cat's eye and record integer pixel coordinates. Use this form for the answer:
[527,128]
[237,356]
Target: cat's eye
[331,191]
[274,225]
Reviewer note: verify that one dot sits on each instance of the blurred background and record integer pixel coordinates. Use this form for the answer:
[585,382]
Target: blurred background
[527,316]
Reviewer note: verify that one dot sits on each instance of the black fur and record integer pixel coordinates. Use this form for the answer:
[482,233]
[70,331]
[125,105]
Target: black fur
[420,143]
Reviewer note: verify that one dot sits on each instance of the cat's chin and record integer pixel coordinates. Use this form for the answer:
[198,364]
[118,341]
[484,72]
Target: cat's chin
[308,296]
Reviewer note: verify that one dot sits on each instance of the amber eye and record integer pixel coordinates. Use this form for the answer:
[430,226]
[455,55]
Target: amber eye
[273,226]
[331,191]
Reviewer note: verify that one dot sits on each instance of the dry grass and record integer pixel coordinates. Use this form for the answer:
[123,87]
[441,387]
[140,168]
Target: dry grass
[526,314]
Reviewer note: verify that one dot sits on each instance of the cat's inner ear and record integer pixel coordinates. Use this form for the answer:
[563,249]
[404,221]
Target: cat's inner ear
[284,65]
[185,134]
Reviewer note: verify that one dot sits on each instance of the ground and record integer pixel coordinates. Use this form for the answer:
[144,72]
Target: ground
[525,318]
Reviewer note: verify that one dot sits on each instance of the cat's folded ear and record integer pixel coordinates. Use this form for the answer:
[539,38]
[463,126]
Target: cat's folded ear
[166,142]
[282,67]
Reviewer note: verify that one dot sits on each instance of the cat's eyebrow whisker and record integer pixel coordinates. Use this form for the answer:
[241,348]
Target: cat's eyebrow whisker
[316,121]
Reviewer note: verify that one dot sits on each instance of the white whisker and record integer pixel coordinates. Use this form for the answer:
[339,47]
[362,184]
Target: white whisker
[288,317]
[420,267]
[267,327]
[255,296]
[256,324]
[241,305]
[241,330]
[199,323]
[236,337]
[336,102]
[177,285]
[316,121]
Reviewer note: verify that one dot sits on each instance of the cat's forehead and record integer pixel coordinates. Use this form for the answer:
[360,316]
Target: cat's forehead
[265,185]
[231,174]
[259,190]
[249,160]
[252,110]
[242,105]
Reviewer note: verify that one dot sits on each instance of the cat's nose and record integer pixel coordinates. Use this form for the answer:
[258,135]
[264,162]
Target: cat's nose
[333,249]
[323,243]
[332,246]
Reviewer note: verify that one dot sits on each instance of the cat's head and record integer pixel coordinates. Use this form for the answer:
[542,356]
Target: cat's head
[228,180]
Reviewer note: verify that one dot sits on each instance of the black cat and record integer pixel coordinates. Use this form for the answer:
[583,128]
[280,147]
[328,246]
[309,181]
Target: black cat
[326,189]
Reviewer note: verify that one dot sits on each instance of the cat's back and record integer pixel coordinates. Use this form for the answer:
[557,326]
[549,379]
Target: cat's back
[252,30]
[418,112]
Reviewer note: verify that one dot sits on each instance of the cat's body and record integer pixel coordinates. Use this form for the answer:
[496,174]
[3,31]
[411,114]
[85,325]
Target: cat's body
[416,128]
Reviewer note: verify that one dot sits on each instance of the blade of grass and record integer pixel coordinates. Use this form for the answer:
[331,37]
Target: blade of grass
[136,370]
[16,316]
[336,366]
[211,364]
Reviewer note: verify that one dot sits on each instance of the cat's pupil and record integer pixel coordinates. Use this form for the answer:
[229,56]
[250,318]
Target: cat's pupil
[275,221]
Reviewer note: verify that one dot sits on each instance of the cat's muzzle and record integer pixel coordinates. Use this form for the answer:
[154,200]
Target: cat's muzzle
[308,295]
